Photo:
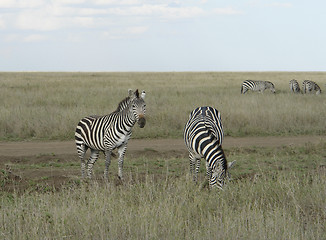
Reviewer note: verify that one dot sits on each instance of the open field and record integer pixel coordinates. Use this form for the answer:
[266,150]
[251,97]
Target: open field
[49,105]
[278,186]
[277,192]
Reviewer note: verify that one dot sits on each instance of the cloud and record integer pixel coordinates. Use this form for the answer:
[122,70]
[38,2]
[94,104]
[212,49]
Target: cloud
[69,2]
[84,21]
[270,4]
[137,30]
[55,15]
[36,20]
[279,4]
[21,3]
[162,11]
[91,11]
[2,23]
[226,11]
[34,38]
[125,33]
[117,2]
[11,37]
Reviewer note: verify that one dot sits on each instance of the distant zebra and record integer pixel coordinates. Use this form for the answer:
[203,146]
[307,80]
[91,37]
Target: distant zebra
[309,86]
[105,133]
[259,86]
[294,86]
[203,136]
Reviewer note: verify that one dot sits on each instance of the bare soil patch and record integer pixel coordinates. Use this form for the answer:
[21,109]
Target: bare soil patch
[46,155]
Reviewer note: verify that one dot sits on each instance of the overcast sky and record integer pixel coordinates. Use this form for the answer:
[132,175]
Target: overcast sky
[162,35]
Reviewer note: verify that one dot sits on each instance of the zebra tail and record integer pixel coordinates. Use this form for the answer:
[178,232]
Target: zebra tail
[241,89]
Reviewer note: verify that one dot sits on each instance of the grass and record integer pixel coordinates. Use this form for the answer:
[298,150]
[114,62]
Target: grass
[276,193]
[49,105]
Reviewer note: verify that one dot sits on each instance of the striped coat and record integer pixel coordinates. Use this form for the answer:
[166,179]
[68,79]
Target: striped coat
[108,132]
[257,86]
[203,136]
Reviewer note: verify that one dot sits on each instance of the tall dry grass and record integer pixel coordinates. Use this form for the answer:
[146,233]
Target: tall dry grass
[285,206]
[49,105]
[276,193]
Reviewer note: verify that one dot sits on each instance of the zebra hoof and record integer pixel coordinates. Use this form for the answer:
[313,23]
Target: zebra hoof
[205,184]
[119,181]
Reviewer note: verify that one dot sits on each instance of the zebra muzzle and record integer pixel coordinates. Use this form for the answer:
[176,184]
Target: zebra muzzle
[141,121]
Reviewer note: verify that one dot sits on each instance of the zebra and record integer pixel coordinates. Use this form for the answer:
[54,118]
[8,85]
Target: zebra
[309,86]
[294,86]
[108,132]
[203,136]
[260,86]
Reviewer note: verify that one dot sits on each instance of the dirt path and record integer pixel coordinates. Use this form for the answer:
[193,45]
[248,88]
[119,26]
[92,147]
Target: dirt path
[17,149]
[21,162]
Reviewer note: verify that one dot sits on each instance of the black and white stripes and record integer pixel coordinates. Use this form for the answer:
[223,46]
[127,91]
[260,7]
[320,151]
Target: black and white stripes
[309,86]
[105,133]
[294,86]
[257,86]
[203,136]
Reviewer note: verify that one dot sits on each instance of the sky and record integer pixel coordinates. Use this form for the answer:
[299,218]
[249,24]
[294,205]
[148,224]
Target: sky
[162,35]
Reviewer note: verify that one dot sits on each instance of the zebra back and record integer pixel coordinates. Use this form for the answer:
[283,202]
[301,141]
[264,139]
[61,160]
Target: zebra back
[257,86]
[211,118]
[309,86]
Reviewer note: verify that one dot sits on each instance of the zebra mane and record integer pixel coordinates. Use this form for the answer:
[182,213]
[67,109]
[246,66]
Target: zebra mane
[123,104]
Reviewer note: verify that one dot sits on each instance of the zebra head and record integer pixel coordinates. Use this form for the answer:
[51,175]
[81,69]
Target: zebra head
[138,106]
[220,175]
[271,87]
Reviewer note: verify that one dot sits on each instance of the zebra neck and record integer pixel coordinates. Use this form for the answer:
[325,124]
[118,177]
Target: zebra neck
[128,117]
[215,156]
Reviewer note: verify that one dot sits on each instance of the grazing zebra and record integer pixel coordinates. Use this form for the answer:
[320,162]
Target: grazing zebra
[203,135]
[309,86]
[257,86]
[294,86]
[105,133]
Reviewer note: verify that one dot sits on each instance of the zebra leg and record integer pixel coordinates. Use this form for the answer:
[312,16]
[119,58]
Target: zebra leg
[197,165]
[81,150]
[192,165]
[107,163]
[209,175]
[121,150]
[90,163]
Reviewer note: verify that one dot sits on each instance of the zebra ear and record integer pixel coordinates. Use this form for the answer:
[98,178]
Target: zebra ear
[130,92]
[143,94]
[136,93]
[230,165]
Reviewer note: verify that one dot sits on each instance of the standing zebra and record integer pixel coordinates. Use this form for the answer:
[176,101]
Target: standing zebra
[309,86]
[259,86]
[294,86]
[105,133]
[203,135]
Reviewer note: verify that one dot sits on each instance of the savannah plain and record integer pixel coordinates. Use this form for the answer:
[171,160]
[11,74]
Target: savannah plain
[278,185]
